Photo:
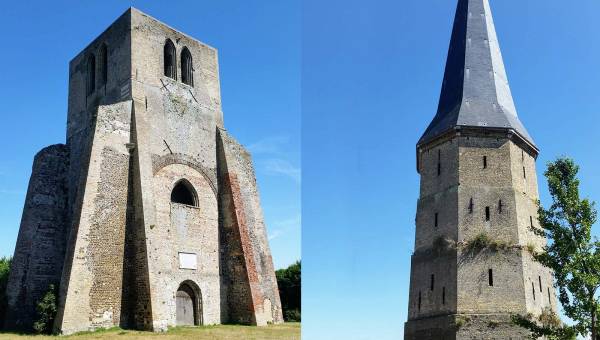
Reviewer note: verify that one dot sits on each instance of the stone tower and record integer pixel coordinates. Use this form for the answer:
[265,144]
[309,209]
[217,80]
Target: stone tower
[472,268]
[149,215]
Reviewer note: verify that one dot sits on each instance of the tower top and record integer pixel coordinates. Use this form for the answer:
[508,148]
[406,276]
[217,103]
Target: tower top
[475,92]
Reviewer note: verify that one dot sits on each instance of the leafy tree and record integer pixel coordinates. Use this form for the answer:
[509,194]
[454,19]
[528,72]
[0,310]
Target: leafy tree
[289,282]
[46,309]
[572,253]
[4,271]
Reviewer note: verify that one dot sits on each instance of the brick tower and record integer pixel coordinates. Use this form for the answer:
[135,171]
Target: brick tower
[149,215]
[472,268]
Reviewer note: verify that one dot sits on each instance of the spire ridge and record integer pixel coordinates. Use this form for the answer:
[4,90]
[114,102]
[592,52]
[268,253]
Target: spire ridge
[475,91]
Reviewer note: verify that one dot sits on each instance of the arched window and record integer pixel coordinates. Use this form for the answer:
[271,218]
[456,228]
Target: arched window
[184,193]
[91,75]
[104,56]
[187,67]
[170,60]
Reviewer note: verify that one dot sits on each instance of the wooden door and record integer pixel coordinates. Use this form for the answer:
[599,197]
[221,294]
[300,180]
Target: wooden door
[185,307]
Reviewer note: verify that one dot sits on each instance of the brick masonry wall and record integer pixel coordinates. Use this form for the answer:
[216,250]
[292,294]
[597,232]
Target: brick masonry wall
[91,285]
[40,249]
[251,276]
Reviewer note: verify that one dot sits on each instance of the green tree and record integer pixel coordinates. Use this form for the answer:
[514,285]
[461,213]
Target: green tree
[46,309]
[4,271]
[572,254]
[289,282]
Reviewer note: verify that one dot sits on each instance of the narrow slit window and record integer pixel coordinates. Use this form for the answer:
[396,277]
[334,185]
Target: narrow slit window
[490,277]
[485,162]
[487,213]
[531,221]
[439,163]
[471,205]
[500,206]
[419,301]
[540,280]
[432,282]
[436,220]
[524,173]
[533,290]
[549,300]
[443,295]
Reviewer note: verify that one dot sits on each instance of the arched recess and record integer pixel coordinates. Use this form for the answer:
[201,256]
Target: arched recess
[91,74]
[170,60]
[188,304]
[187,67]
[161,162]
[184,193]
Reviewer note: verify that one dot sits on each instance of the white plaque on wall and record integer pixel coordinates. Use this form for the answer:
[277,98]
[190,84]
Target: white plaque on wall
[188,261]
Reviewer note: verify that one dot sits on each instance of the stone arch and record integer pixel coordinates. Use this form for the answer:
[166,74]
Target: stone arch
[170,59]
[183,192]
[188,304]
[160,162]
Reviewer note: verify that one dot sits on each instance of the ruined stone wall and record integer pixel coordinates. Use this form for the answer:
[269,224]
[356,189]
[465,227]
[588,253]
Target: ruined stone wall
[40,250]
[244,229]
[202,100]
[184,229]
[91,287]
[130,140]
[81,117]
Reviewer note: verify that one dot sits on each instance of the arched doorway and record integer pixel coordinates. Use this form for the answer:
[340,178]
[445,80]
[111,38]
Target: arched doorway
[188,303]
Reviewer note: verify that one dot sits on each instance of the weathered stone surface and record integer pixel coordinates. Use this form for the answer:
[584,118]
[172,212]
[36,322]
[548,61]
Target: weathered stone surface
[478,181]
[40,250]
[107,197]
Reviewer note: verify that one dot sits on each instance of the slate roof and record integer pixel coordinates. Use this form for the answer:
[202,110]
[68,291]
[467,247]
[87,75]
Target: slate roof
[475,91]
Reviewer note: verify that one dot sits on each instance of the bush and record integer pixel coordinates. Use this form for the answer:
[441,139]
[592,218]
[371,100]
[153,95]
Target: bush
[46,309]
[482,241]
[292,315]
[289,282]
[478,243]
[4,272]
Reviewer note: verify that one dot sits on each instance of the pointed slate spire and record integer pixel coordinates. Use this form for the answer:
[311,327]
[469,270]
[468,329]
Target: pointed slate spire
[475,91]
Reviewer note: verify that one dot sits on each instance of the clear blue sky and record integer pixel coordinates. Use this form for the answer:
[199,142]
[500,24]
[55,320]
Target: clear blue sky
[371,76]
[259,52]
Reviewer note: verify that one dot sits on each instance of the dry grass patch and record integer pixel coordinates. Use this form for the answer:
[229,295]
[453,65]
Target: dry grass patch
[287,331]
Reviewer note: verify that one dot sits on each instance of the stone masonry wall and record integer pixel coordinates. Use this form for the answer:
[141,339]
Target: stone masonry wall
[243,221]
[91,287]
[184,229]
[129,140]
[474,185]
[40,250]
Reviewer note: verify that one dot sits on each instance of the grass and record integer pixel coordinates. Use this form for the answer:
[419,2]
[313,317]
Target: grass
[287,331]
[482,241]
